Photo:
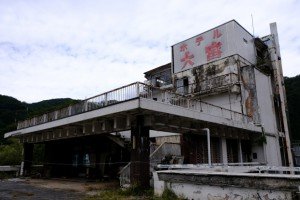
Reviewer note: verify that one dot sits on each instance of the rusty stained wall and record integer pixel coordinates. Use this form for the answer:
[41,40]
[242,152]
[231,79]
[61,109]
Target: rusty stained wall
[210,82]
[215,75]
[249,93]
[209,78]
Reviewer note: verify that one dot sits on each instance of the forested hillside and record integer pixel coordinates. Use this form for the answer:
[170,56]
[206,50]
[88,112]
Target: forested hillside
[292,86]
[13,110]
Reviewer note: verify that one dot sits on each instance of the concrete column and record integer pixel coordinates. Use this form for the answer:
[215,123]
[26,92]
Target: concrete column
[240,152]
[208,145]
[224,151]
[140,164]
[281,91]
[27,158]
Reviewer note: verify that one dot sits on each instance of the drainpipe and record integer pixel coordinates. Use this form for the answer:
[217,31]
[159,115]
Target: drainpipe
[208,145]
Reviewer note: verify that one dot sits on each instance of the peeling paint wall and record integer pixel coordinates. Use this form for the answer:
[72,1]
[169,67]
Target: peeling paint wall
[201,192]
[200,185]
[213,77]
[249,93]
[216,83]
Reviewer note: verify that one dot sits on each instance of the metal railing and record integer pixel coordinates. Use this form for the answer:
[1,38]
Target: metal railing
[176,99]
[115,96]
[165,149]
[125,176]
[129,92]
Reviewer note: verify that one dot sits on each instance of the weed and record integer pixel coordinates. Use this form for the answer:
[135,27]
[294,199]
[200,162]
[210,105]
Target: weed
[133,193]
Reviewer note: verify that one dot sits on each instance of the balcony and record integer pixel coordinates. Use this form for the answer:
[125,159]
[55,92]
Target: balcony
[135,96]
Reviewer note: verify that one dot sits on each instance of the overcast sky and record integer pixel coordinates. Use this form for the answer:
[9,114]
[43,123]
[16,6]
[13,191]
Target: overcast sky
[77,49]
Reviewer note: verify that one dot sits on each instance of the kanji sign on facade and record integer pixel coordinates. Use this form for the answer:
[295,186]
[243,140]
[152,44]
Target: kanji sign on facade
[217,43]
[187,59]
[213,51]
[199,40]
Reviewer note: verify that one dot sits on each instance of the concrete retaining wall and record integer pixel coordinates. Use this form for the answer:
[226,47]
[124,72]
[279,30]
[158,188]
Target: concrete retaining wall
[227,186]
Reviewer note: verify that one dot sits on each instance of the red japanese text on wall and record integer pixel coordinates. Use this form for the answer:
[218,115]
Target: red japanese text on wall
[213,50]
[200,49]
[225,40]
[187,57]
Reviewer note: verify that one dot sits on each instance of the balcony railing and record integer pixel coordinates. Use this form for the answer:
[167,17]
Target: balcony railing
[129,92]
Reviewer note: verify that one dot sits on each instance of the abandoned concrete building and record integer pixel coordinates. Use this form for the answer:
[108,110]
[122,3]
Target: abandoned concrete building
[219,102]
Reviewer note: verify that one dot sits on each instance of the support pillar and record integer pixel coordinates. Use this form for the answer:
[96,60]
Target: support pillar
[224,151]
[27,159]
[140,152]
[240,152]
[47,168]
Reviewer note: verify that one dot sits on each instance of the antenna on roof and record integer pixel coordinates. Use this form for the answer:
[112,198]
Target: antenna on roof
[252,25]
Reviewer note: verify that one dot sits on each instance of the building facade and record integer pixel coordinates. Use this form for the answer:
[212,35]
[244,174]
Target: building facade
[221,100]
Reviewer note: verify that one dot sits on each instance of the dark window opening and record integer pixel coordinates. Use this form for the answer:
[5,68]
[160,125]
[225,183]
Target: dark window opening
[159,81]
[182,85]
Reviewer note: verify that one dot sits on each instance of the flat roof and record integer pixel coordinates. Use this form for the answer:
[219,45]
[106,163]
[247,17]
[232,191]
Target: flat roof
[162,67]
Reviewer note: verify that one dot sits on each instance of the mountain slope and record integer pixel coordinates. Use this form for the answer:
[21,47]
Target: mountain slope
[292,86]
[13,110]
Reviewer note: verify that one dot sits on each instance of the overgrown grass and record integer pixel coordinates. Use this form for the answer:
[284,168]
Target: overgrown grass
[6,175]
[11,154]
[133,193]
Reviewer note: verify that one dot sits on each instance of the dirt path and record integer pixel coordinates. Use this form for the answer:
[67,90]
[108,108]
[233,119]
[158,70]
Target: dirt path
[40,189]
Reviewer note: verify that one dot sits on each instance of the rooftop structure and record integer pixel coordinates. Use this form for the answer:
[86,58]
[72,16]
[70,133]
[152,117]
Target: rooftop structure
[222,92]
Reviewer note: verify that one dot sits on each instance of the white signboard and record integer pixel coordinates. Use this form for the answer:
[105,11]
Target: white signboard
[220,42]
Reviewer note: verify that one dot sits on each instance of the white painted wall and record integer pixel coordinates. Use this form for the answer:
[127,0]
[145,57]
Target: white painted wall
[210,192]
[268,119]
[226,100]
[265,102]
[273,151]
[201,192]
[259,150]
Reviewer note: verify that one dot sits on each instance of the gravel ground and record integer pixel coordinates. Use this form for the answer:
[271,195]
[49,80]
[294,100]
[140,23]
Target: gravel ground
[21,189]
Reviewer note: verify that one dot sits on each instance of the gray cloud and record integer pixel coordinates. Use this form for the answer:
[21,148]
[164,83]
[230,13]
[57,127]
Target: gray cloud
[77,49]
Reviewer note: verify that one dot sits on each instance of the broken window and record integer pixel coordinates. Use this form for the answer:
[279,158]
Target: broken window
[182,85]
[159,81]
[86,160]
